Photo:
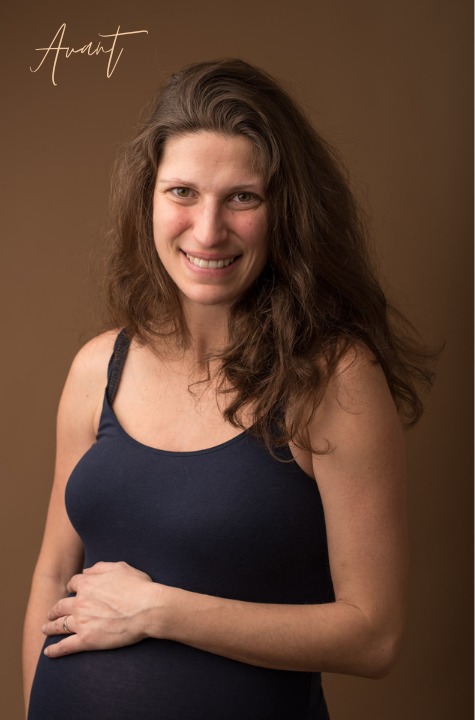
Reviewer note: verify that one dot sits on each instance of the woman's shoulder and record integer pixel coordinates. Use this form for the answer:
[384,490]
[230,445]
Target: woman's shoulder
[91,362]
[357,408]
[356,384]
[355,402]
[87,377]
[356,363]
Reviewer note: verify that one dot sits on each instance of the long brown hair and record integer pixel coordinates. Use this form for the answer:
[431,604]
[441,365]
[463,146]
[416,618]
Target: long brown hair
[317,296]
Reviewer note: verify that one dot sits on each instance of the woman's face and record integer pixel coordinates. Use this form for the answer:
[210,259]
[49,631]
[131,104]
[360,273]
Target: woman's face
[209,216]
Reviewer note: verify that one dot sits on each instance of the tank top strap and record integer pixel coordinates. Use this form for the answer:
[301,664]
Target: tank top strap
[116,365]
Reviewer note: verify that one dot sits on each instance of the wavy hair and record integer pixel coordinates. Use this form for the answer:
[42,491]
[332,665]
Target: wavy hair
[317,296]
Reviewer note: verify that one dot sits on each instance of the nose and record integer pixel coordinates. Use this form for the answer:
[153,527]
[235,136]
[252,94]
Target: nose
[209,223]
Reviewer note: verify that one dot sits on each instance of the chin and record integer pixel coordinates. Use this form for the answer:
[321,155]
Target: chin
[208,300]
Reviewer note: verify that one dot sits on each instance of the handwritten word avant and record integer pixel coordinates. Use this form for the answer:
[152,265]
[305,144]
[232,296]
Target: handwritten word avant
[56,47]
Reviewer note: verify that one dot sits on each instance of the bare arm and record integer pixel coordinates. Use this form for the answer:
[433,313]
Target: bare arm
[61,552]
[362,483]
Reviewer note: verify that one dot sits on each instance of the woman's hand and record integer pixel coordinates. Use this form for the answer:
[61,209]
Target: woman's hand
[109,610]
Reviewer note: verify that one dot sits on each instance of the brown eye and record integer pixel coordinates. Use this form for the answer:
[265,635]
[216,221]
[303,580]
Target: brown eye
[247,199]
[181,192]
[244,197]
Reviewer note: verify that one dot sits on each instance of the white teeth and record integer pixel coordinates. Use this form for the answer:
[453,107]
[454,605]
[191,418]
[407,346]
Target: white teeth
[211,264]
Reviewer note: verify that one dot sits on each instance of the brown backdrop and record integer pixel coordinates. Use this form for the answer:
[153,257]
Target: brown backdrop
[389,83]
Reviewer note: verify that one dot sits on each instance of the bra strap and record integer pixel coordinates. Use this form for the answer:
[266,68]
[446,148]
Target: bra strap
[116,365]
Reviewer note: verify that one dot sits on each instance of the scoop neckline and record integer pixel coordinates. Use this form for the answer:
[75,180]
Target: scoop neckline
[237,438]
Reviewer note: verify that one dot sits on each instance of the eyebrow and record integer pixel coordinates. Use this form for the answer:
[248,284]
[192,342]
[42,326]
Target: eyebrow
[257,186]
[174,180]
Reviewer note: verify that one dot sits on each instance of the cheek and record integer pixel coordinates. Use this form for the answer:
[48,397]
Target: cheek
[254,231]
[167,224]
[259,237]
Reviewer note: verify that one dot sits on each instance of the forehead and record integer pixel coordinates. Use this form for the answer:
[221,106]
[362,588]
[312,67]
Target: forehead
[211,153]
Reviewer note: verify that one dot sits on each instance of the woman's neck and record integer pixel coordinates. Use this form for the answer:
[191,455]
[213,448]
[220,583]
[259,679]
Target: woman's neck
[208,332]
[207,336]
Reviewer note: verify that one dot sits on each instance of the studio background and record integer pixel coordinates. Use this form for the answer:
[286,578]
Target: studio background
[390,85]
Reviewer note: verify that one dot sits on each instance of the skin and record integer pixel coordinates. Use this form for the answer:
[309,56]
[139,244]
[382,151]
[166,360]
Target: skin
[361,481]
[209,203]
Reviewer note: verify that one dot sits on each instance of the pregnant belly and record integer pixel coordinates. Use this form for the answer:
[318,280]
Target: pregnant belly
[163,680]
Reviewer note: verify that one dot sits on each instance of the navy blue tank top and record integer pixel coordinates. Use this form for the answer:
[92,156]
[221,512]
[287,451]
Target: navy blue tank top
[230,521]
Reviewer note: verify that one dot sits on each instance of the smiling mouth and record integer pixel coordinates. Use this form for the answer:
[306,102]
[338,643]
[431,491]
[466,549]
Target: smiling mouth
[211,264]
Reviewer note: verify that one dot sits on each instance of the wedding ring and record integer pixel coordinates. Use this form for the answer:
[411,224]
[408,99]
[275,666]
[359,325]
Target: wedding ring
[65,624]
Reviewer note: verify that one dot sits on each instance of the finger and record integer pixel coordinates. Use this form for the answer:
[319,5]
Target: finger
[61,608]
[72,586]
[97,569]
[66,625]
[68,646]
[100,567]
[62,626]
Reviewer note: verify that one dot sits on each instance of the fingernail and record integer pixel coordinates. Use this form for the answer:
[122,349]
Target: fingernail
[43,629]
[46,651]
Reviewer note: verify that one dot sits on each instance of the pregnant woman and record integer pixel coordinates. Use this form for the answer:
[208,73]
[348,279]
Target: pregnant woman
[228,514]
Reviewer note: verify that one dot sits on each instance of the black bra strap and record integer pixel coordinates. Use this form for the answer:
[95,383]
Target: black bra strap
[116,365]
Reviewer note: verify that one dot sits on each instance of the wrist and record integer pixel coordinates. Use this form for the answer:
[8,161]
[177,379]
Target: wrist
[158,617]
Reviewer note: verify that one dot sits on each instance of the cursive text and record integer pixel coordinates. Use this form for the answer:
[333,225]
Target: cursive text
[56,47]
